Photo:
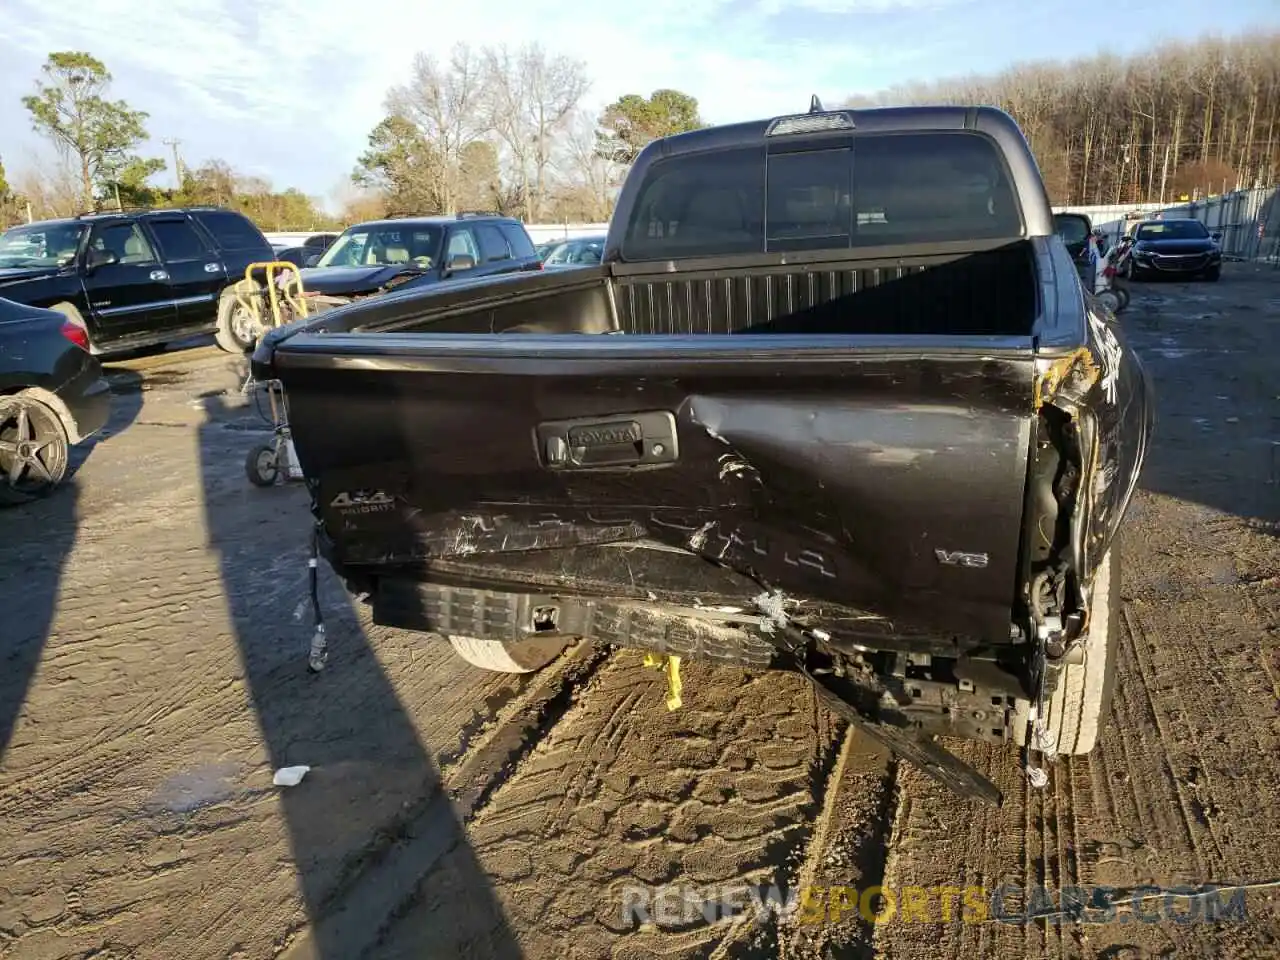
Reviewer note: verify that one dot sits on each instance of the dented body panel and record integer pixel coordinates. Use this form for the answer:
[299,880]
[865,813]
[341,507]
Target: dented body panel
[850,476]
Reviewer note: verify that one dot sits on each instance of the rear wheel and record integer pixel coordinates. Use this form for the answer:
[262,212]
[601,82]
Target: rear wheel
[520,656]
[1109,299]
[237,330]
[34,449]
[1078,708]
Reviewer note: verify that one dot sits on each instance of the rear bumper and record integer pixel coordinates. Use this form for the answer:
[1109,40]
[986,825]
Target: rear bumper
[980,708]
[510,616]
[88,399]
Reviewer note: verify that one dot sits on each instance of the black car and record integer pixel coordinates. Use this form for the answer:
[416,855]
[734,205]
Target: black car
[578,252]
[52,397]
[308,252]
[133,280]
[1174,248]
[400,254]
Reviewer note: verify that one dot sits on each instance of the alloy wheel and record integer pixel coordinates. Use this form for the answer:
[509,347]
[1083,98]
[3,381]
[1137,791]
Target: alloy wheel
[33,449]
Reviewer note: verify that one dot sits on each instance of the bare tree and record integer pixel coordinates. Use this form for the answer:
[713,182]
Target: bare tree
[51,186]
[445,103]
[592,179]
[530,97]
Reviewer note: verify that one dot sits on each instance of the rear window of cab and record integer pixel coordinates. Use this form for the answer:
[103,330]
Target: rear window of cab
[867,190]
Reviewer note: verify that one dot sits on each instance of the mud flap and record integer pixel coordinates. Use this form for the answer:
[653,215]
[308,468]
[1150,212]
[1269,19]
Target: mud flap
[843,695]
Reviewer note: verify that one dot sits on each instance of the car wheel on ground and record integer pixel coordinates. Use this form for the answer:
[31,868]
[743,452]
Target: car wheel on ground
[237,330]
[519,656]
[1078,708]
[34,449]
[1213,275]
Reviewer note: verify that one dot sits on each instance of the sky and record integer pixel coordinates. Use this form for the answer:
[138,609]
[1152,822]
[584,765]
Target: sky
[288,90]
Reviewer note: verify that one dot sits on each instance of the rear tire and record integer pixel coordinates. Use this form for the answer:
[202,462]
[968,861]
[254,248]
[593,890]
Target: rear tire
[1109,299]
[1078,708]
[35,449]
[235,332]
[520,656]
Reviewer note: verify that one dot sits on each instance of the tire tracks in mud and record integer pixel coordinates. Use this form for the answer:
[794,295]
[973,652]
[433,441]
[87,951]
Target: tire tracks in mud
[377,884]
[621,797]
[1180,791]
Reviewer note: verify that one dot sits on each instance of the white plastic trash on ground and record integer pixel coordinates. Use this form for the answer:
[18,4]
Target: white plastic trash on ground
[290,776]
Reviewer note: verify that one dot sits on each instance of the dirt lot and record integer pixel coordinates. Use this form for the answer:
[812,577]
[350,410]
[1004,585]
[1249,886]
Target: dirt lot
[152,651]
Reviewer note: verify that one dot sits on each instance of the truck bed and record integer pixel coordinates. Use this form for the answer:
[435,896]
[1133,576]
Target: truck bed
[966,290]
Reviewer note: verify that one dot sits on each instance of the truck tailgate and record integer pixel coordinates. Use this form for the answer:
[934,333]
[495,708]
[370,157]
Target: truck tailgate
[885,475]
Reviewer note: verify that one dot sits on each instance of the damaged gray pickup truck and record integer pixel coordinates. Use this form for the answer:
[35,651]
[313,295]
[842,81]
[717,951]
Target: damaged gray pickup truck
[835,402]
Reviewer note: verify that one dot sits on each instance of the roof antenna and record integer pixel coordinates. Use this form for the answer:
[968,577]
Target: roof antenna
[815,105]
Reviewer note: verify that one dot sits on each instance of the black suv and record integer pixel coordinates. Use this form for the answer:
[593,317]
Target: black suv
[136,279]
[408,252]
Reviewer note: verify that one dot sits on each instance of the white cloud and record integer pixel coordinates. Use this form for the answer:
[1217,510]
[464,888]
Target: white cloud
[294,86]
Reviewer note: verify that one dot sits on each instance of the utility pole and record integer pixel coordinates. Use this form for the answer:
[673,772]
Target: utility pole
[173,142]
[1164,173]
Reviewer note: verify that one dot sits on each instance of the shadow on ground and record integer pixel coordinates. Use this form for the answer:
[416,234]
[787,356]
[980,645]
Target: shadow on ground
[36,539]
[347,723]
[1212,350]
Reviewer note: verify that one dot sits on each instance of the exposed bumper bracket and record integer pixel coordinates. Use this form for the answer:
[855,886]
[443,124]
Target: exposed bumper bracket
[855,703]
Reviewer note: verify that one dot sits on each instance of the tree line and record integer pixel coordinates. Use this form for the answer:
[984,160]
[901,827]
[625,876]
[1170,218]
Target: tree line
[502,129]
[1180,121]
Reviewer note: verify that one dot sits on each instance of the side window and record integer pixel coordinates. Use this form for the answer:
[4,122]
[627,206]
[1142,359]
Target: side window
[178,240]
[589,253]
[558,254]
[462,243]
[492,243]
[231,230]
[125,240]
[519,242]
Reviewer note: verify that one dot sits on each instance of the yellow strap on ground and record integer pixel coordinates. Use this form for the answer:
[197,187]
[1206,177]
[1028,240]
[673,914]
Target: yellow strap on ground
[674,683]
[671,665]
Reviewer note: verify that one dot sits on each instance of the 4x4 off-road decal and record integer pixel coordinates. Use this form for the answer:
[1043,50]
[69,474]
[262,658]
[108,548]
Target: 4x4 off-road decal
[362,501]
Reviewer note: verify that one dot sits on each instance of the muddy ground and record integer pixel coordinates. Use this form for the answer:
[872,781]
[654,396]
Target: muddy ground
[152,652]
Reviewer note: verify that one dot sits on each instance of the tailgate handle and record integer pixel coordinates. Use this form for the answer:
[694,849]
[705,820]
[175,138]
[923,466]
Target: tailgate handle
[620,440]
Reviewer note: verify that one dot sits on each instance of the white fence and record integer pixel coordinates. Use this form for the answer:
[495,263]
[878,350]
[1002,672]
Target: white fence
[547,232]
[1249,220]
